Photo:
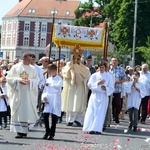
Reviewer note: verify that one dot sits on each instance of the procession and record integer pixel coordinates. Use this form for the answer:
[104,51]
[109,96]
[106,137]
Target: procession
[68,83]
[79,95]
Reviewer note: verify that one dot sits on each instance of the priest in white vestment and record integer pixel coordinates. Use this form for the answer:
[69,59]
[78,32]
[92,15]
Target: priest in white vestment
[102,86]
[23,89]
[74,94]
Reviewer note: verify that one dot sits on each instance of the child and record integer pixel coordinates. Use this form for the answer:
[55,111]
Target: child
[3,101]
[51,96]
[135,91]
[124,95]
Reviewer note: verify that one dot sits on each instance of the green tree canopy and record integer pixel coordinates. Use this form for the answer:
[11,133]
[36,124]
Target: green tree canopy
[121,13]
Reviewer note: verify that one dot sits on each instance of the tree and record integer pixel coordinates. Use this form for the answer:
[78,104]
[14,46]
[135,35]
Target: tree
[145,51]
[121,13]
[82,20]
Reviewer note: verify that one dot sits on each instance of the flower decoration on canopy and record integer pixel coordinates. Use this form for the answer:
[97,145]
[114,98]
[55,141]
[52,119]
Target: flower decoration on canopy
[92,34]
[65,31]
[78,33]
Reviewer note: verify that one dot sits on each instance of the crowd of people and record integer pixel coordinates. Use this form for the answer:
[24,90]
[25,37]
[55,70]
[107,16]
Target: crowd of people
[90,96]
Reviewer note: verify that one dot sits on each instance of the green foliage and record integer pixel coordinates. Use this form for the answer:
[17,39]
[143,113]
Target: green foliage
[121,13]
[83,8]
[145,51]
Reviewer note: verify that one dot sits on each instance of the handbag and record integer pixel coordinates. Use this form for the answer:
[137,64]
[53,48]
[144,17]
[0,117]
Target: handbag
[8,107]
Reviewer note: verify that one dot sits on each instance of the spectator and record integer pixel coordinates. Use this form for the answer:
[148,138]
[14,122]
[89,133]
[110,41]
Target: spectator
[119,75]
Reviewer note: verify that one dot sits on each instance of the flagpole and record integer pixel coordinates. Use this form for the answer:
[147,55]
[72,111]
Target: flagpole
[105,40]
[51,34]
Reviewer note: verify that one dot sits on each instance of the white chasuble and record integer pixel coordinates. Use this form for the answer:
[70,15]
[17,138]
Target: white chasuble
[23,98]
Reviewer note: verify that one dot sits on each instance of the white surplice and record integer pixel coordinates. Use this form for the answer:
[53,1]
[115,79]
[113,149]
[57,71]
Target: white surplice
[98,102]
[53,94]
[22,98]
[134,96]
[2,102]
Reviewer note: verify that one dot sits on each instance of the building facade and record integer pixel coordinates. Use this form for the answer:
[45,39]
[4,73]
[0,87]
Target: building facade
[27,27]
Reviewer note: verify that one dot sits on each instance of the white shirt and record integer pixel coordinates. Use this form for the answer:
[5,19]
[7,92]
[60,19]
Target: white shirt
[40,75]
[145,79]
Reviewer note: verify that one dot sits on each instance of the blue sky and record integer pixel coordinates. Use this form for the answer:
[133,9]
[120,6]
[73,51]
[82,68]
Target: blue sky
[6,5]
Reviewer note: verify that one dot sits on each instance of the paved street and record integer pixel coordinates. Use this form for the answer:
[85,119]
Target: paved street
[72,138]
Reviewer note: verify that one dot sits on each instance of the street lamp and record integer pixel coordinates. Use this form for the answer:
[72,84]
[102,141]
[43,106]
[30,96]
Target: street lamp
[134,33]
[92,16]
[53,12]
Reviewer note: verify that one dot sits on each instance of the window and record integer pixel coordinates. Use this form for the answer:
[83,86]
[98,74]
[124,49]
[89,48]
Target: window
[26,41]
[9,27]
[67,13]
[43,42]
[27,27]
[14,39]
[31,11]
[14,26]
[44,28]
[8,40]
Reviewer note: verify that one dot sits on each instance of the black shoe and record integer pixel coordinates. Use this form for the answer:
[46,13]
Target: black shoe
[104,128]
[19,136]
[117,120]
[78,124]
[45,136]
[129,127]
[92,132]
[51,137]
[69,123]
[24,134]
[60,120]
[135,129]
[98,133]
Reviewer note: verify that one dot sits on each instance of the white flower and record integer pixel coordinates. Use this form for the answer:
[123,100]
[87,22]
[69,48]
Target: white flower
[119,147]
[147,140]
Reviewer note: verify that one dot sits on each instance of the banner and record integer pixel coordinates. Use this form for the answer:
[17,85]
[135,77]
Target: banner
[67,35]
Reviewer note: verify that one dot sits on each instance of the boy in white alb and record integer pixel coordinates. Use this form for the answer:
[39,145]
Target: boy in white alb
[102,86]
[51,96]
[3,101]
[135,91]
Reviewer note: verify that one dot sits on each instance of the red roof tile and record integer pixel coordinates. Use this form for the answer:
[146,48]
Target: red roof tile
[43,8]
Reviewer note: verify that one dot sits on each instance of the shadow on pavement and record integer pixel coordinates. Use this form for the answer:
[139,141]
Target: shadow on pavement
[13,143]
